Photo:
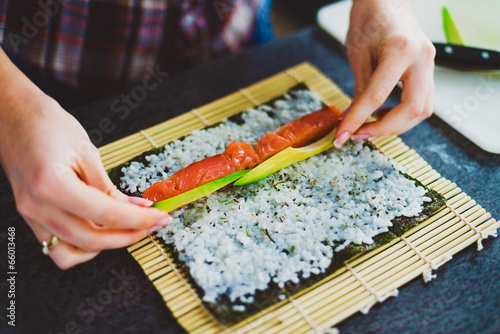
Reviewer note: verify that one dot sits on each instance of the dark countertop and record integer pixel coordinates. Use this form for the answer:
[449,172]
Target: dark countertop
[110,294]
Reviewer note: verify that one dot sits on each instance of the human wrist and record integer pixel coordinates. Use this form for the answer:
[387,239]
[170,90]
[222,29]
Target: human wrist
[22,103]
[16,88]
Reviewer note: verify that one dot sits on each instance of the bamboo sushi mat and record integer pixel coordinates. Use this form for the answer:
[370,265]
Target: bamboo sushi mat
[364,280]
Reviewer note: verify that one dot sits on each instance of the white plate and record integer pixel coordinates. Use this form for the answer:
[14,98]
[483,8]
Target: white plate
[467,101]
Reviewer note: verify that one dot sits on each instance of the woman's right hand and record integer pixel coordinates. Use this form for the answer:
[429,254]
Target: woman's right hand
[385,45]
[60,185]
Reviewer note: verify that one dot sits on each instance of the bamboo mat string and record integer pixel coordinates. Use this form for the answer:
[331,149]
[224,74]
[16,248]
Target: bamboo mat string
[380,299]
[482,234]
[427,273]
[203,119]
[249,96]
[148,137]
[293,75]
[315,328]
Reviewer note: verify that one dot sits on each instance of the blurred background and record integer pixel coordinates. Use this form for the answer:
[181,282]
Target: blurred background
[289,16]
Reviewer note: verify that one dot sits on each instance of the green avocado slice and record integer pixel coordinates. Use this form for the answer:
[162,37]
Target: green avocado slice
[199,192]
[285,158]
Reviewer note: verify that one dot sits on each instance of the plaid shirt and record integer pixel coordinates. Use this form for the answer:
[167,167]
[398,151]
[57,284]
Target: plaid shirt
[108,44]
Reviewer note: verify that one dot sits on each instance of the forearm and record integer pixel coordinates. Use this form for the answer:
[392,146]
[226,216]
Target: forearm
[20,105]
[13,83]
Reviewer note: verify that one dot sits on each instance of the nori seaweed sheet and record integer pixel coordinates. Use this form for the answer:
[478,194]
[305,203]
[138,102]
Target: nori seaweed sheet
[223,309]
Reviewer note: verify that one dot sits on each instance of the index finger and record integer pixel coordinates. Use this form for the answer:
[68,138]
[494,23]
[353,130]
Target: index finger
[384,79]
[88,202]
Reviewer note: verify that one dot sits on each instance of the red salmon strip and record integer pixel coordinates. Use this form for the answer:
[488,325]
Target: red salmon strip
[240,155]
[237,156]
[298,132]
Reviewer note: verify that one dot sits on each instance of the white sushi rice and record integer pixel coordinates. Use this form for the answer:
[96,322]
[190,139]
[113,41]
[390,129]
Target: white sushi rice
[286,226]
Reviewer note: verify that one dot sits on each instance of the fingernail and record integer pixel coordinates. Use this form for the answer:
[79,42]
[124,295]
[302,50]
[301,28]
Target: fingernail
[341,139]
[154,229]
[164,221]
[360,136]
[140,201]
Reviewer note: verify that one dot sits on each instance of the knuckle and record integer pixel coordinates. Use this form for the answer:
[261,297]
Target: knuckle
[113,191]
[399,42]
[94,154]
[427,112]
[428,51]
[353,53]
[414,110]
[41,192]
[42,188]
[23,206]
[377,97]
